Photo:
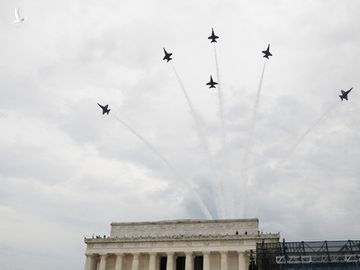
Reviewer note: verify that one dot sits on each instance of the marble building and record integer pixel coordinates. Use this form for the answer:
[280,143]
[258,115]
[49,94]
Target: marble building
[176,245]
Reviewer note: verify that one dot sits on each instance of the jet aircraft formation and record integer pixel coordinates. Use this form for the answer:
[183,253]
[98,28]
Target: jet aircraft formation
[212,84]
[167,57]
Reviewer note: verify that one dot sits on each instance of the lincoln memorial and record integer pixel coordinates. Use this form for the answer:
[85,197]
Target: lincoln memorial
[176,245]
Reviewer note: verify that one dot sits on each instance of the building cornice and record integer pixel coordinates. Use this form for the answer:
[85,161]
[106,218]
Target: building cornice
[178,238]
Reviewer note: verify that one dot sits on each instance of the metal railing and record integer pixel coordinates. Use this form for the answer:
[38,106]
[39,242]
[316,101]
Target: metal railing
[271,256]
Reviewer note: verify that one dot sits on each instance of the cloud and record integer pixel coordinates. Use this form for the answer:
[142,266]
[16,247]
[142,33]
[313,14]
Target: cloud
[68,171]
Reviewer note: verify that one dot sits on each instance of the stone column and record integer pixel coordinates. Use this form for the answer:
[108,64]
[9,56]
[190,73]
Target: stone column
[89,263]
[152,261]
[242,261]
[135,262]
[188,261]
[119,260]
[223,260]
[206,257]
[102,265]
[170,261]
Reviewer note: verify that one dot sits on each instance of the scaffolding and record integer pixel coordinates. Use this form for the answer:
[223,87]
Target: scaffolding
[310,255]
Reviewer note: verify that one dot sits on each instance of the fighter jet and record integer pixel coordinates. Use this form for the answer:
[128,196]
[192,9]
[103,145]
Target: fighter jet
[18,18]
[105,108]
[213,37]
[212,83]
[344,94]
[167,56]
[267,52]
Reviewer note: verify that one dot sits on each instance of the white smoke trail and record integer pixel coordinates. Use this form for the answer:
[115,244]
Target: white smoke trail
[250,142]
[160,156]
[230,203]
[303,136]
[221,102]
[217,187]
[245,161]
[192,110]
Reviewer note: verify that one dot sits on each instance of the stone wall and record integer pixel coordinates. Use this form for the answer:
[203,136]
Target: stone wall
[184,228]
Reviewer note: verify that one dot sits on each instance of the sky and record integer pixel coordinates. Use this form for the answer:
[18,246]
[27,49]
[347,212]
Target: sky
[67,171]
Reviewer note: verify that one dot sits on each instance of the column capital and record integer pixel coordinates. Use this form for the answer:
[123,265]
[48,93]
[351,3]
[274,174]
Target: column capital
[136,254]
[87,254]
[170,253]
[104,254]
[206,252]
[119,254]
[224,252]
[188,253]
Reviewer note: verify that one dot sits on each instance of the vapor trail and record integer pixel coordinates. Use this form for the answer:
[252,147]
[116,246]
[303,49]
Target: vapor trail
[217,189]
[192,110]
[221,102]
[250,141]
[254,116]
[171,168]
[229,197]
[303,136]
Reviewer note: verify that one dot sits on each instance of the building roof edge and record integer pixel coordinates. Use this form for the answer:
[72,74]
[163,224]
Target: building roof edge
[186,221]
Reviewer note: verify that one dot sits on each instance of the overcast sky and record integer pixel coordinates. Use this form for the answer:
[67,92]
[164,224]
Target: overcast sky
[67,171]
